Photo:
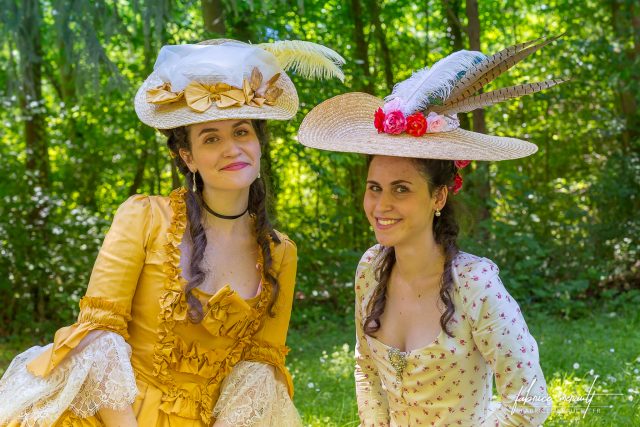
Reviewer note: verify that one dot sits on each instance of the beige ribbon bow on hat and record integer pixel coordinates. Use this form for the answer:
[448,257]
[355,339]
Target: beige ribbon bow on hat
[199,97]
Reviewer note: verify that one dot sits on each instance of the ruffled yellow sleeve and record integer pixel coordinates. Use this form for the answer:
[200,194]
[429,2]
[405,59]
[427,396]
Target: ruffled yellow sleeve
[107,303]
[269,342]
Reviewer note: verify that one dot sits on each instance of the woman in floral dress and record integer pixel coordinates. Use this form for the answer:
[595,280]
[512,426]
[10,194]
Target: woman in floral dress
[435,325]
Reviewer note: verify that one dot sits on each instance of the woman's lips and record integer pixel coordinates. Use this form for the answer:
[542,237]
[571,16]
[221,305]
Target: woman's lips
[386,223]
[235,166]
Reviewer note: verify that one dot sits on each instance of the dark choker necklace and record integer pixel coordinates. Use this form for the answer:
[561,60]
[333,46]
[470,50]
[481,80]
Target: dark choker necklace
[216,214]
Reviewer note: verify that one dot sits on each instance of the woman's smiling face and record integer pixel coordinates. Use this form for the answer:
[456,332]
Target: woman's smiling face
[226,153]
[397,201]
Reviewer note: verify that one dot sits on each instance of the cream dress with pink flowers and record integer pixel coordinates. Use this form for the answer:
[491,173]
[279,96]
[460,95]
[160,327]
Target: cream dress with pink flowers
[449,382]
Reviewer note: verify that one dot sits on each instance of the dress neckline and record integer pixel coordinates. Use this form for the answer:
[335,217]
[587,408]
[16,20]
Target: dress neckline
[228,289]
[436,341]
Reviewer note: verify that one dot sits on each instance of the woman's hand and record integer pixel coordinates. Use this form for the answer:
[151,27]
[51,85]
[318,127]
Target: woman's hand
[125,418]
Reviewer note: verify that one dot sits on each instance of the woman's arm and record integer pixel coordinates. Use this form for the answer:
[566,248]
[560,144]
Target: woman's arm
[107,302]
[501,334]
[255,394]
[373,407]
[104,310]
[124,418]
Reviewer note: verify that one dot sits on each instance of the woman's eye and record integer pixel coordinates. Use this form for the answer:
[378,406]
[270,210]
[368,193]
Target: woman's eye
[374,188]
[401,189]
[242,132]
[211,140]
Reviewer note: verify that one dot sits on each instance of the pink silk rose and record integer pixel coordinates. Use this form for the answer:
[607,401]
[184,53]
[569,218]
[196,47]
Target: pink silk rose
[461,164]
[395,122]
[435,122]
[378,120]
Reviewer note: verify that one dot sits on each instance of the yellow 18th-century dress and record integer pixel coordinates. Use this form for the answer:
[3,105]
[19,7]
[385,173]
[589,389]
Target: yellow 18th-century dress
[149,355]
[449,382]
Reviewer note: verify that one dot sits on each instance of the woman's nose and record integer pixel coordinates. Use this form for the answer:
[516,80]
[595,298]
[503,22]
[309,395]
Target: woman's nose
[231,148]
[385,202]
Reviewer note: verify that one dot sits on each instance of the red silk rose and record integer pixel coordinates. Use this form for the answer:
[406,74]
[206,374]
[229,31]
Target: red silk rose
[462,163]
[416,124]
[378,120]
[395,122]
[457,183]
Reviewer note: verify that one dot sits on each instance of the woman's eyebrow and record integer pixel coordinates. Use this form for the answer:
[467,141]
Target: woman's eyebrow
[240,123]
[401,181]
[206,130]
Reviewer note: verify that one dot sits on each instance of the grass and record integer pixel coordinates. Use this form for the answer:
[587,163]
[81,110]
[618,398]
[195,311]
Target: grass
[601,352]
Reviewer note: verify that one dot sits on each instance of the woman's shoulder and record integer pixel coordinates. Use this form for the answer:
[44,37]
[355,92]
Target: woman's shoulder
[284,239]
[369,258]
[285,251]
[475,276]
[365,280]
[466,265]
[141,202]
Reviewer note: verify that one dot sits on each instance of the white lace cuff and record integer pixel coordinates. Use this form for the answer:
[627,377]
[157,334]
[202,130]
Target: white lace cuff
[252,396]
[98,376]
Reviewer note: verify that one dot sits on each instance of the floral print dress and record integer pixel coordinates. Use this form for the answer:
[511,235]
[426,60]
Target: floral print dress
[449,382]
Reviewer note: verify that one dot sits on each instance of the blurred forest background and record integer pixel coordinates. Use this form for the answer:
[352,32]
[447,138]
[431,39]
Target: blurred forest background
[563,225]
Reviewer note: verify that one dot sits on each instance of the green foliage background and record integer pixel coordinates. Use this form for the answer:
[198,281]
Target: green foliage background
[562,224]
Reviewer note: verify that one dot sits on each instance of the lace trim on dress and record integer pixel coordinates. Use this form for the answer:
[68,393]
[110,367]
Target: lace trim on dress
[252,396]
[99,376]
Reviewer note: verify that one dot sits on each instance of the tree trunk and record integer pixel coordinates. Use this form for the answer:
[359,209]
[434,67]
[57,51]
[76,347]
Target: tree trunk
[142,162]
[213,16]
[29,44]
[481,182]
[382,40]
[452,13]
[624,22]
[362,50]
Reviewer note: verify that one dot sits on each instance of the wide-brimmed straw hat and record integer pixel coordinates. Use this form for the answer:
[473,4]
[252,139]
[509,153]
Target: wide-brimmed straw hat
[419,118]
[227,79]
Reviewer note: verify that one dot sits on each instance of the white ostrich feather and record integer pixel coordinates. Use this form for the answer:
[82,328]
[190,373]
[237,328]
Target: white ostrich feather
[428,84]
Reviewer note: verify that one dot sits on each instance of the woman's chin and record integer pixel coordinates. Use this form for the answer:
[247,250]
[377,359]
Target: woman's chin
[238,184]
[386,240]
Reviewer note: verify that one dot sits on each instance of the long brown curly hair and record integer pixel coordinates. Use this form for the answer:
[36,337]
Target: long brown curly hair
[438,173]
[178,138]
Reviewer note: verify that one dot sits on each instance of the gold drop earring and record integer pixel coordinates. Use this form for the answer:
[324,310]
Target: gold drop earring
[438,212]
[195,187]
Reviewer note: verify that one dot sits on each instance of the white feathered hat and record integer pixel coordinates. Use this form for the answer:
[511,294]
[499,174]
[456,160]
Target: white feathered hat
[227,79]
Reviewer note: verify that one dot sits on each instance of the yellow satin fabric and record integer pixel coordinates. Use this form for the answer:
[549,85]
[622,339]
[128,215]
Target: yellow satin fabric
[136,290]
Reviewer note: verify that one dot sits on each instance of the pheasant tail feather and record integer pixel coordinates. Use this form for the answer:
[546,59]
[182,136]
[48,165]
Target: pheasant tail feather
[496,96]
[495,65]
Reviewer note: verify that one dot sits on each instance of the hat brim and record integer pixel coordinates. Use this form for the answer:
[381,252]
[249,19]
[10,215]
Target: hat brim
[344,123]
[176,114]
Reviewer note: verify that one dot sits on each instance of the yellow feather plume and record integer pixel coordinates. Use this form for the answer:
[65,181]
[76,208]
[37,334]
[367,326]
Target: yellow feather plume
[310,60]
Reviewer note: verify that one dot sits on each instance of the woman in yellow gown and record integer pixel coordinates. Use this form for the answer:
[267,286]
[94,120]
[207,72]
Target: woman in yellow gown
[186,314]
[434,325]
